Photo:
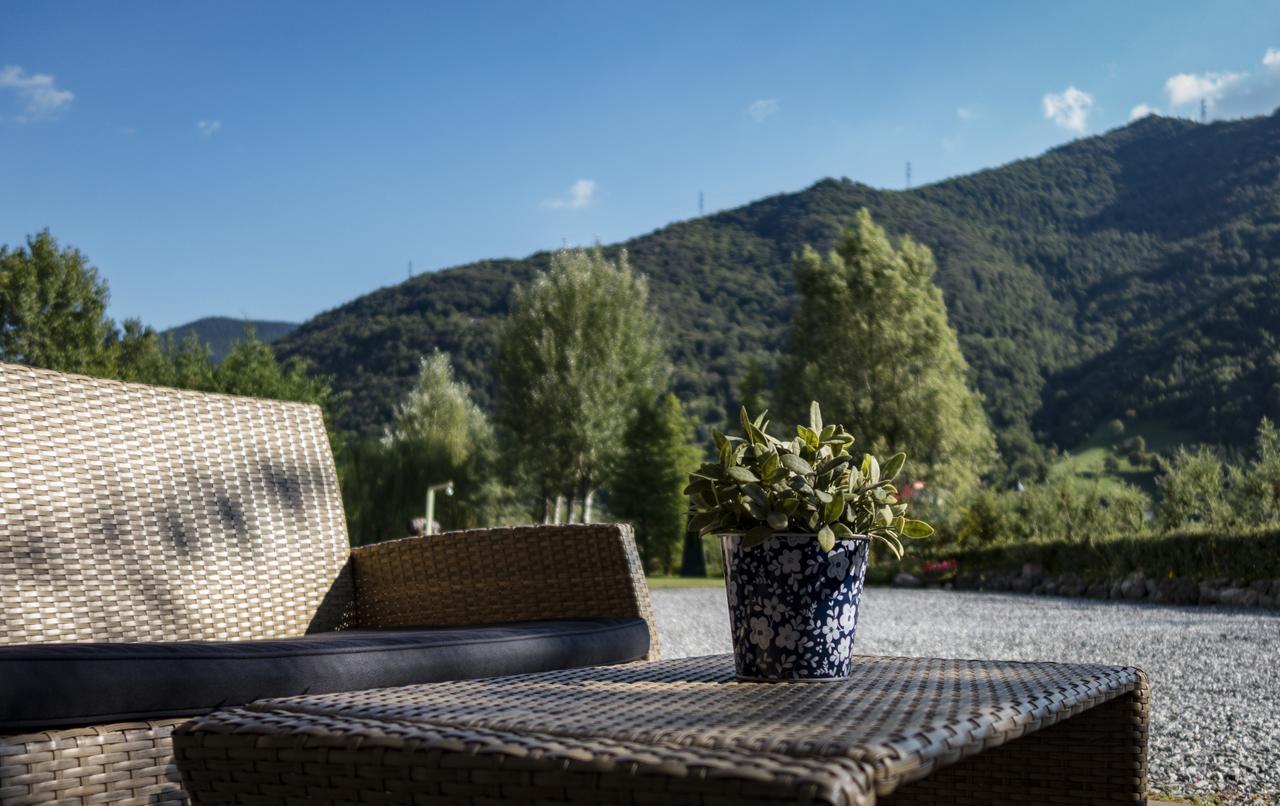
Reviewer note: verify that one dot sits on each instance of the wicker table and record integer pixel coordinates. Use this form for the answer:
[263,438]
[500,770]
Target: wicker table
[901,730]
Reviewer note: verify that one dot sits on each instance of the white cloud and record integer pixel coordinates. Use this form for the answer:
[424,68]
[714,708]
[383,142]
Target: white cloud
[763,108]
[967,113]
[208,128]
[38,93]
[1190,88]
[1272,58]
[1068,109]
[1141,111]
[579,195]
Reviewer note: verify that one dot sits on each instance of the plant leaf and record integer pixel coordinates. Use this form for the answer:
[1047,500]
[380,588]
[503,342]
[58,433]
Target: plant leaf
[778,520]
[834,508]
[795,464]
[742,475]
[756,536]
[815,417]
[826,538]
[894,466]
[916,530]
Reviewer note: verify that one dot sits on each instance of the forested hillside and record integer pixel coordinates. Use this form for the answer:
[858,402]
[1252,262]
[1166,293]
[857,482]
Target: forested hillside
[1133,272]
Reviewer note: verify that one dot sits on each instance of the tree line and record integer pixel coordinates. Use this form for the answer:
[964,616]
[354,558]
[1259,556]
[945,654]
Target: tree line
[584,420]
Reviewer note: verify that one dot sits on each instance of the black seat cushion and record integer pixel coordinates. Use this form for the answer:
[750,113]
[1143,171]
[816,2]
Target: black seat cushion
[67,685]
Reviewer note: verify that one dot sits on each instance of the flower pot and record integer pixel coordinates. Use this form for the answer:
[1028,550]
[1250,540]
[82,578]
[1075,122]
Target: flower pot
[793,608]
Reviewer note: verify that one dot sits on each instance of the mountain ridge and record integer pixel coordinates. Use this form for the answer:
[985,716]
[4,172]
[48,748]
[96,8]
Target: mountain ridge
[1048,264]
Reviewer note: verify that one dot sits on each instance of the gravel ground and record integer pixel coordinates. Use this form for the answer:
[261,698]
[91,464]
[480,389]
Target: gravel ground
[1215,673]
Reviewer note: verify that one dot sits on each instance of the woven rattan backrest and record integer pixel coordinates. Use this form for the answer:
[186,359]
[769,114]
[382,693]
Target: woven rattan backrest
[138,513]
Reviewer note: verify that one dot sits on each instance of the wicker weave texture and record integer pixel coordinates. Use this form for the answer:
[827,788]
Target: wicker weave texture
[682,732]
[1098,756]
[138,513]
[129,764]
[489,576]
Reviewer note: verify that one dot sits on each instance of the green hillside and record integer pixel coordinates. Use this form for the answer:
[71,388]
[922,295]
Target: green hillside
[1130,274]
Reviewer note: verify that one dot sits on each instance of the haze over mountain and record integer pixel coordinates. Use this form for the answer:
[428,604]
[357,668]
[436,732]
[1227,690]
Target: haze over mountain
[220,332]
[1136,272]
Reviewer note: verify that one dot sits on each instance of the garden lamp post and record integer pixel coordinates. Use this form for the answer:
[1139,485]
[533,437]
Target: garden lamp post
[447,488]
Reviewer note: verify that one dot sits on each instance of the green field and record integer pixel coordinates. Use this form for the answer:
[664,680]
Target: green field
[1088,460]
[685,582]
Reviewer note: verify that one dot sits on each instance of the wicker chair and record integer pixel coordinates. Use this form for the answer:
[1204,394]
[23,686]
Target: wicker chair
[131,513]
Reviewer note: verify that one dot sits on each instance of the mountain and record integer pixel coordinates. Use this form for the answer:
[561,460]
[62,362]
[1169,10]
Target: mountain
[219,332]
[1131,274]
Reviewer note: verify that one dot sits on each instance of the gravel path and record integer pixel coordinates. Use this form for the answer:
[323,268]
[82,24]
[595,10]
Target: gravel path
[1215,674]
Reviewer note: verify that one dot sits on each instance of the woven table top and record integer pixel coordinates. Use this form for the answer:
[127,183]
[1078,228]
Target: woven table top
[893,721]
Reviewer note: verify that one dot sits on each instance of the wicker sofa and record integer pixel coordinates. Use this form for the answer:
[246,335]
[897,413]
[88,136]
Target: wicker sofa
[164,553]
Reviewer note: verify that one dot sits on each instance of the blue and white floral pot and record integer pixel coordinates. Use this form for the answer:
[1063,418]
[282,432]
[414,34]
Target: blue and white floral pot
[793,608]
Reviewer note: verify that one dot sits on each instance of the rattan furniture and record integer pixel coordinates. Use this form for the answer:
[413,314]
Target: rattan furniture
[900,730]
[133,516]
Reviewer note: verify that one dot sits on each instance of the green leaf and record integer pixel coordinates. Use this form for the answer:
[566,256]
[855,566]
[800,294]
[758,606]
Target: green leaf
[756,536]
[833,463]
[777,520]
[841,531]
[756,493]
[719,439]
[834,508]
[826,537]
[917,530]
[795,464]
[747,430]
[815,417]
[742,475]
[770,466]
[809,436]
[892,467]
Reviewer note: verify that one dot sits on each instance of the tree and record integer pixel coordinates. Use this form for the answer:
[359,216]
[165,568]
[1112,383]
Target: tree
[647,490]
[1254,490]
[53,308]
[141,356]
[438,435]
[871,342]
[1191,491]
[574,358]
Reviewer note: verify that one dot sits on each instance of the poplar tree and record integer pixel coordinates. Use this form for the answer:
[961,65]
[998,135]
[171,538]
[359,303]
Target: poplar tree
[871,342]
[577,353]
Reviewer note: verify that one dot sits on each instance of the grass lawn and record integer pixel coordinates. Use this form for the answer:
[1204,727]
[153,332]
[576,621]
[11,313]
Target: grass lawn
[685,582]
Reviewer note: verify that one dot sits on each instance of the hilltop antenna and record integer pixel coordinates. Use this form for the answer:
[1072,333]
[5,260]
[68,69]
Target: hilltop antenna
[1204,111]
[699,202]
[410,269]
[908,174]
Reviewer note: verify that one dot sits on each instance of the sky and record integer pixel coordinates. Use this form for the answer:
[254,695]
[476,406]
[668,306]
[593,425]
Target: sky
[274,160]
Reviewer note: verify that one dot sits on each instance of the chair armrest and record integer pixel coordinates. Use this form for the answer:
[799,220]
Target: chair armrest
[487,576]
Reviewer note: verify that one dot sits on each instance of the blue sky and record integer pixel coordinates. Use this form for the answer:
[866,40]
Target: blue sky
[272,160]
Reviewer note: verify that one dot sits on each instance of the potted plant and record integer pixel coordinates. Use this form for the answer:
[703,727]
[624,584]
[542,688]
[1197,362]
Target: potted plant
[796,519]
